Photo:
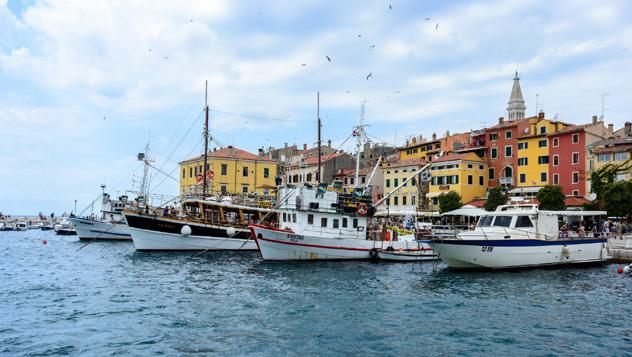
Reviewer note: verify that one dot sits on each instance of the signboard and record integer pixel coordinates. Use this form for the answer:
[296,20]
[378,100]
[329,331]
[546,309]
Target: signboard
[210,175]
[444,187]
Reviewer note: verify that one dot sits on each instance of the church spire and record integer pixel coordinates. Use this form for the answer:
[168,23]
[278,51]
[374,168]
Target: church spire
[515,106]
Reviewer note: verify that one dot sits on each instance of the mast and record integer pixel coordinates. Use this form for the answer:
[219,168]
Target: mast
[319,125]
[358,132]
[145,158]
[204,185]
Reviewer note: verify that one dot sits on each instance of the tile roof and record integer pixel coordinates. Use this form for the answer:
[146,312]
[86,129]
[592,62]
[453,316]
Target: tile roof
[314,160]
[459,156]
[230,153]
[407,162]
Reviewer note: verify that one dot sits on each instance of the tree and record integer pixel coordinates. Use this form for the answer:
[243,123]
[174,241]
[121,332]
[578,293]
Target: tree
[617,199]
[496,197]
[602,179]
[449,202]
[551,198]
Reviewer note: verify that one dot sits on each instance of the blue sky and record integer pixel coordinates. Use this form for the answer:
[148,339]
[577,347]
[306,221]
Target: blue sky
[81,92]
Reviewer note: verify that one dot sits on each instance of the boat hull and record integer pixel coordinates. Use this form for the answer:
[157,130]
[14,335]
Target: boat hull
[91,230]
[403,256]
[148,240]
[519,253]
[66,232]
[281,245]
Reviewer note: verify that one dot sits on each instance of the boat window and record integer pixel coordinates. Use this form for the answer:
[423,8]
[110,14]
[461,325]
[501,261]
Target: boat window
[344,222]
[502,221]
[323,222]
[294,217]
[523,221]
[485,221]
[310,219]
[355,223]
[284,217]
[336,223]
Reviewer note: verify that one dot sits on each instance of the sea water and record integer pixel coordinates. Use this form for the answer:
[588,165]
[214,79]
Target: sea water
[104,298]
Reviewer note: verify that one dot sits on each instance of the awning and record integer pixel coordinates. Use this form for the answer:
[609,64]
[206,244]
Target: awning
[467,210]
[575,213]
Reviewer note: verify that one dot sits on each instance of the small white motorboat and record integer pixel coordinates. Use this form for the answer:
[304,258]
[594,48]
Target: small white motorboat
[402,255]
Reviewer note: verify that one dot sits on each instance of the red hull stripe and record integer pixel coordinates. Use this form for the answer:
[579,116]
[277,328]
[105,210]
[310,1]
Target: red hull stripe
[330,247]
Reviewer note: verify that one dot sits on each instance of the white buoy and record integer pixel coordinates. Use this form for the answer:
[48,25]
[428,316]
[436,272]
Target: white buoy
[566,252]
[230,231]
[626,269]
[185,230]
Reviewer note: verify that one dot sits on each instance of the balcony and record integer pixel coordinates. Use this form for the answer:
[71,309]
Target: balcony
[506,181]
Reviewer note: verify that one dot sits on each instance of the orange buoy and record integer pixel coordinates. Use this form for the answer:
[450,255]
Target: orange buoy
[620,270]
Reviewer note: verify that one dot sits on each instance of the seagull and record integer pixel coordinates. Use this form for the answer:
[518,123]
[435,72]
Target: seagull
[348,91]
[427,19]
[624,49]
[396,92]
[369,76]
[191,20]
[304,64]
[166,57]
[390,7]
[359,35]
[437,27]
[150,50]
[103,118]
[328,59]
[371,47]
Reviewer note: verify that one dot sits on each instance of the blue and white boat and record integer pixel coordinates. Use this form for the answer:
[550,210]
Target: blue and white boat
[522,236]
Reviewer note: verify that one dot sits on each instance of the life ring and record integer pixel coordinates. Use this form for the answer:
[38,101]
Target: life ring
[362,208]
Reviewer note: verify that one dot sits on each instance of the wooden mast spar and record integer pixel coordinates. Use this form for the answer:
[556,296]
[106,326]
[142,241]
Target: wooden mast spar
[205,169]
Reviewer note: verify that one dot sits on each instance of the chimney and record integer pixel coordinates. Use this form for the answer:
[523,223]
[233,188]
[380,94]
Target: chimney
[285,145]
[304,147]
[434,136]
[329,142]
[541,115]
[261,153]
[628,129]
[594,120]
[447,133]
[500,120]
[611,127]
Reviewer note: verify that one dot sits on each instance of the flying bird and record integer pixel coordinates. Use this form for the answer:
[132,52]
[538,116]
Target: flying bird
[396,92]
[427,19]
[150,50]
[370,75]
[348,91]
[166,57]
[191,20]
[303,64]
[103,118]
[437,27]
[359,35]
[328,59]
[390,7]
[371,47]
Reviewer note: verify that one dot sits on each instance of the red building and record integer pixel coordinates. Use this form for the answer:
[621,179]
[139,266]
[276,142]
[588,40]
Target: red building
[570,163]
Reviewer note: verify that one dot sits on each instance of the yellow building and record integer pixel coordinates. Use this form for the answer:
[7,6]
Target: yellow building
[419,148]
[395,173]
[230,170]
[465,174]
[533,152]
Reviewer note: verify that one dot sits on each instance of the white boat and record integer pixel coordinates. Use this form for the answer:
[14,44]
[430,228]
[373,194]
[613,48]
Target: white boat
[64,228]
[521,236]
[223,227]
[110,226]
[20,226]
[323,224]
[402,255]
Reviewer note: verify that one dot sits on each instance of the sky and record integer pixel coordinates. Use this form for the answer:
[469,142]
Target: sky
[84,85]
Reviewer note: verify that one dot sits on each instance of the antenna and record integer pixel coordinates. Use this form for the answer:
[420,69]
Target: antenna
[537,104]
[358,132]
[603,105]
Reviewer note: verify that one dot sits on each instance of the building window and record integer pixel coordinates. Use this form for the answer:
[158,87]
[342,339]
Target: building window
[493,136]
[491,173]
[224,169]
[223,188]
[344,222]
[396,182]
[523,178]
[556,179]
[575,193]
[284,217]
[336,223]
[604,157]
[575,138]
[470,179]
[309,178]
[575,177]
[575,158]
[481,167]
[404,200]
[556,142]
[363,179]
[184,173]
[388,182]
[523,146]
[412,200]
[323,222]
[244,188]
[523,161]
[494,153]
[621,156]
[195,170]
[244,171]
[388,201]
[508,134]
[481,180]
[543,160]
[543,177]
[556,160]
[190,172]
[543,143]
[508,152]
[310,219]
[266,172]
[395,200]
[543,130]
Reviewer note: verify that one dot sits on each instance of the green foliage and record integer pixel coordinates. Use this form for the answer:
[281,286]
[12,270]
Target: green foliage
[551,198]
[449,202]
[617,199]
[496,197]
[602,178]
